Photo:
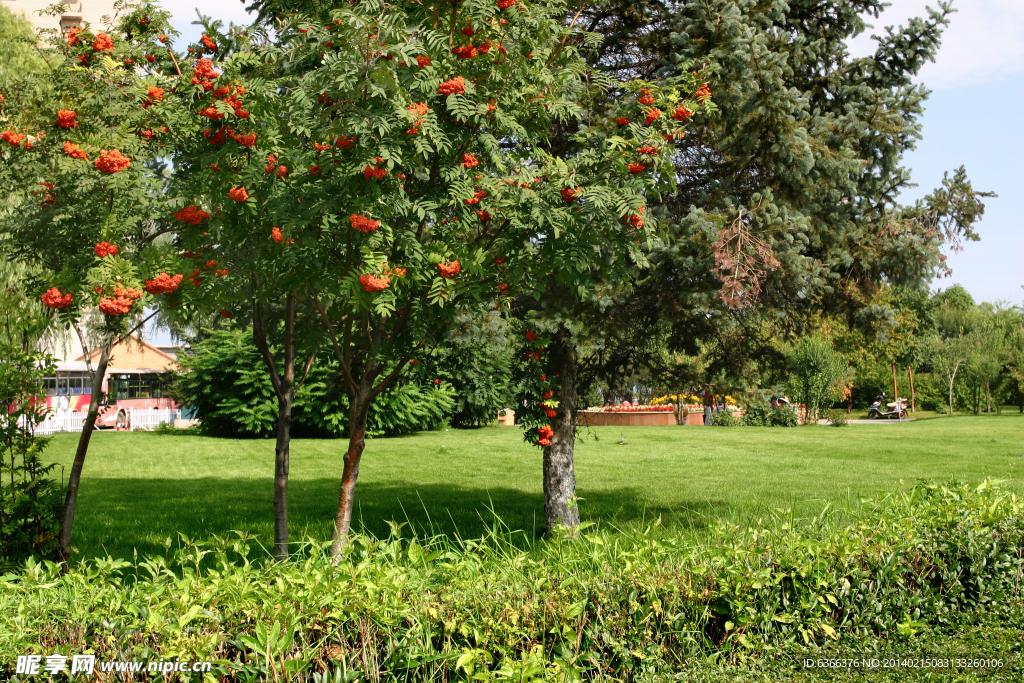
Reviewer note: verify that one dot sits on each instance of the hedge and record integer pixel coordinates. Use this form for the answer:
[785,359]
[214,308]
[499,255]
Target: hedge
[623,604]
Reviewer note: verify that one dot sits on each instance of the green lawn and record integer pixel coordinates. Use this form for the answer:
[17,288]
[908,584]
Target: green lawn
[139,488]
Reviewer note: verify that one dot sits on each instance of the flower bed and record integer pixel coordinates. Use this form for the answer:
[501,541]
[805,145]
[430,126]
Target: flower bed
[636,409]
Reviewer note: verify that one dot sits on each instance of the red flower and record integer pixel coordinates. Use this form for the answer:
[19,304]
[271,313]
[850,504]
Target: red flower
[208,43]
[455,86]
[163,283]
[423,61]
[652,116]
[637,168]
[54,299]
[621,121]
[276,234]
[112,161]
[449,270]
[681,114]
[66,119]
[570,195]
[103,43]
[238,194]
[373,284]
[72,150]
[191,214]
[362,223]
[531,336]
[104,249]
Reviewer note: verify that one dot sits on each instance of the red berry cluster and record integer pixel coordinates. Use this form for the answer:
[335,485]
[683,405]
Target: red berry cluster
[449,270]
[477,196]
[455,86]
[66,119]
[418,110]
[681,114]
[112,161]
[238,194]
[645,97]
[372,283]
[423,61]
[652,116]
[362,223]
[505,4]
[374,172]
[104,249]
[570,195]
[54,299]
[345,142]
[103,43]
[273,166]
[122,301]
[73,151]
[469,161]
[208,43]
[163,283]
[276,234]
[13,139]
[192,215]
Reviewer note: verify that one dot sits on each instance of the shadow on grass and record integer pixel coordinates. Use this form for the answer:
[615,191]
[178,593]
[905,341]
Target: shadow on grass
[117,516]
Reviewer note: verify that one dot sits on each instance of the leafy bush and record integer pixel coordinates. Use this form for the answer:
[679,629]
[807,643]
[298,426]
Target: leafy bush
[627,605]
[783,417]
[758,414]
[30,501]
[836,417]
[817,374]
[725,418]
[225,379]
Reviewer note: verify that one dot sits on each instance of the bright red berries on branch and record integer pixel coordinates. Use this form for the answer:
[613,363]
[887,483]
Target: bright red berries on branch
[276,234]
[637,168]
[103,43]
[570,195]
[66,119]
[192,215]
[371,283]
[54,299]
[105,249]
[652,116]
[505,4]
[204,70]
[469,161]
[423,61]
[163,283]
[73,151]
[449,270]
[208,43]
[112,161]
[702,93]
[362,223]
[531,336]
[122,301]
[11,138]
[238,194]
[681,114]
[456,86]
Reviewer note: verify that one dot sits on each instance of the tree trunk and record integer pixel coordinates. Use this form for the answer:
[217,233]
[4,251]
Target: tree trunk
[988,397]
[281,466]
[913,395]
[67,513]
[358,410]
[560,508]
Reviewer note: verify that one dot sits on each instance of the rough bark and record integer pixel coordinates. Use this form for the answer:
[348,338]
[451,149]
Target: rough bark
[67,513]
[560,508]
[360,406]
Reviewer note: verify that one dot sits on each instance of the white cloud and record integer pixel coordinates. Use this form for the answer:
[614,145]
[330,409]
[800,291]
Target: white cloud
[983,43]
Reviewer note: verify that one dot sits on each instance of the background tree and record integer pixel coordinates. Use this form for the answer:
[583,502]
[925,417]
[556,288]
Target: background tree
[81,159]
[818,374]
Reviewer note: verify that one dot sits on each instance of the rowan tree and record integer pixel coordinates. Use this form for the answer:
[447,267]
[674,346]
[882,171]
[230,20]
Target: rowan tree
[81,148]
[393,165]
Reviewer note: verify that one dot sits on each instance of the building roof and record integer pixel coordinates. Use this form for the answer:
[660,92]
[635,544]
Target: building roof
[136,354]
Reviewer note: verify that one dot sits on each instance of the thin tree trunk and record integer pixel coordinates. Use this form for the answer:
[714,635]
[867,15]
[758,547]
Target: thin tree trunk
[358,410]
[281,467]
[67,513]
[913,396]
[560,507]
[988,396]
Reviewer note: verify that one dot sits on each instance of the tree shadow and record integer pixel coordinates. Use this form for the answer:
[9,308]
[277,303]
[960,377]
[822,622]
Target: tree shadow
[120,516]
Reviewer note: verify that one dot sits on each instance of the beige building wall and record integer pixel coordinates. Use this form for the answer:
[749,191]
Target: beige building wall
[91,11]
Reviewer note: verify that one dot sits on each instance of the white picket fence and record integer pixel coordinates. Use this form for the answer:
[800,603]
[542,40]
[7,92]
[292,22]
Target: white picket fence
[138,420]
[147,420]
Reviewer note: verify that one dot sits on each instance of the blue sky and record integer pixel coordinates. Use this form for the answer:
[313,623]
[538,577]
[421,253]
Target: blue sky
[974,118]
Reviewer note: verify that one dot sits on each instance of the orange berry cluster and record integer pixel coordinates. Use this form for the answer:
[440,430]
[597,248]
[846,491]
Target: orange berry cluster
[163,283]
[54,299]
[192,215]
[362,223]
[112,161]
[449,270]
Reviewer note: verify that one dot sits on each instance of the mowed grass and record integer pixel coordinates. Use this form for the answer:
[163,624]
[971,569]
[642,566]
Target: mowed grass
[141,488]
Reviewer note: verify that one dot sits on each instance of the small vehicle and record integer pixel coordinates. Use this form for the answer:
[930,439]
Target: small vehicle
[780,402]
[880,408]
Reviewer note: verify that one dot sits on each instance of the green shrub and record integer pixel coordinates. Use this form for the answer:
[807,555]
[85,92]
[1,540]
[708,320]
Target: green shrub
[783,417]
[757,415]
[836,417]
[225,379]
[622,605]
[725,418]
